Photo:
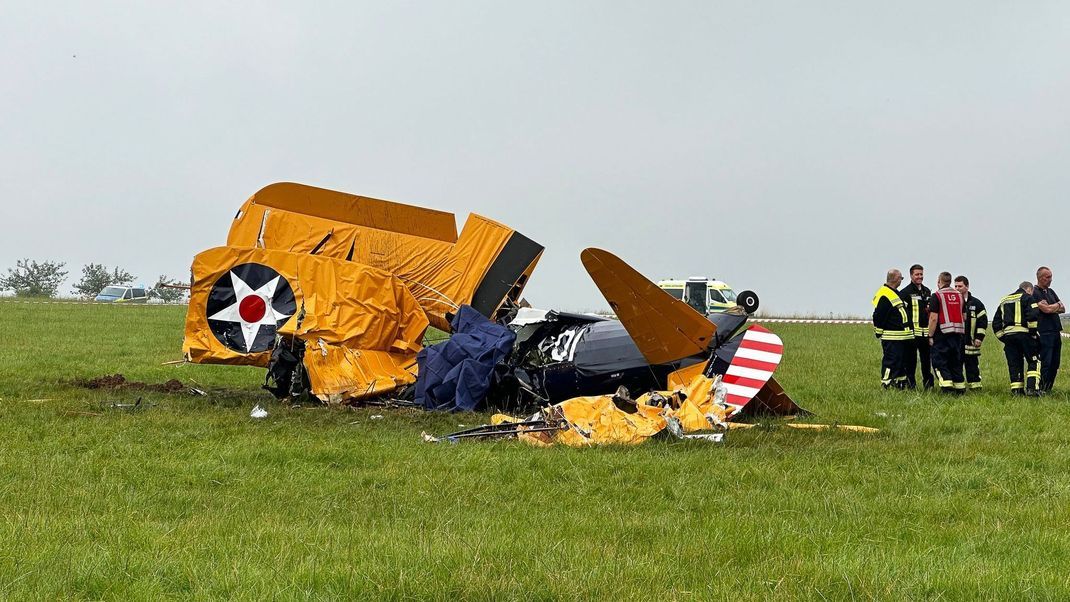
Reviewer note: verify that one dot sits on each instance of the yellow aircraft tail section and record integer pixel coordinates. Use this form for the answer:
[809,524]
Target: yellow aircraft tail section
[665,329]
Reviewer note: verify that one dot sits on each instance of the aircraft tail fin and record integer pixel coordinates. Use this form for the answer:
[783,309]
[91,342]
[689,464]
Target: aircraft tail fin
[664,328]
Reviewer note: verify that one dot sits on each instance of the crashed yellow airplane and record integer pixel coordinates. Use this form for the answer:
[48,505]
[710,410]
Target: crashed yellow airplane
[354,280]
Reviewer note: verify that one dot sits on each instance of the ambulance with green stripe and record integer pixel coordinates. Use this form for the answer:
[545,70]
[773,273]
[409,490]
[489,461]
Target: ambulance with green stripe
[707,295]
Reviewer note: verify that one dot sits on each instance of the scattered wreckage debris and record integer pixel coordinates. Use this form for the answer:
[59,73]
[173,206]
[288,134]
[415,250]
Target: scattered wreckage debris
[333,294]
[616,419]
[557,356]
[503,430]
[699,412]
[137,406]
[390,404]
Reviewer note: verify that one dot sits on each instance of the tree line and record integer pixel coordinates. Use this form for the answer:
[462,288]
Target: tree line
[43,279]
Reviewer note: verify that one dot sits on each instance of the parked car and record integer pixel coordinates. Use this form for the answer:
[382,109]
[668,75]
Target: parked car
[120,293]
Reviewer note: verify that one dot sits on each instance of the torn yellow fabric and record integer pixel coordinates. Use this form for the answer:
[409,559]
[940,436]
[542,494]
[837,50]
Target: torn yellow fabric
[598,421]
[361,326]
[337,374]
[420,246]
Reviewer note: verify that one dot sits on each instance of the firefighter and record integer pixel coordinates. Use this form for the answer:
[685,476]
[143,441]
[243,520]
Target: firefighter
[976,324]
[1049,328]
[892,327]
[946,327]
[1015,323]
[916,297]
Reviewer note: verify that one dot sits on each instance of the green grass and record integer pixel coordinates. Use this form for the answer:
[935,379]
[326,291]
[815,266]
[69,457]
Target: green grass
[955,498]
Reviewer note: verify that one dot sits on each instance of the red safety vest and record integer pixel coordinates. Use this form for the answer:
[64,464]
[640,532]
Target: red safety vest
[950,319]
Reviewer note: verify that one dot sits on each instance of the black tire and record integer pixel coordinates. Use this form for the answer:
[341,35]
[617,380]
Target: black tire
[748,300]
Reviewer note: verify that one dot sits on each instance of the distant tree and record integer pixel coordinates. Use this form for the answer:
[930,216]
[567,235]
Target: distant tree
[96,276]
[165,293]
[33,279]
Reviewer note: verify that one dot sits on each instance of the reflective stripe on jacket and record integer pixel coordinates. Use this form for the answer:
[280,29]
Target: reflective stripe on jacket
[976,324]
[950,303]
[916,299]
[890,321]
[1017,313]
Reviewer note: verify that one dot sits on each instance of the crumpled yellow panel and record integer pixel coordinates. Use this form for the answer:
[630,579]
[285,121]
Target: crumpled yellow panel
[413,259]
[357,210]
[596,420]
[602,422]
[268,228]
[338,374]
[691,417]
[342,303]
[682,377]
[701,401]
[420,246]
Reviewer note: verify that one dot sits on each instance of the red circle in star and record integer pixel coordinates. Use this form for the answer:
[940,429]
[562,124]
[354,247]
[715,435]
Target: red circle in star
[252,308]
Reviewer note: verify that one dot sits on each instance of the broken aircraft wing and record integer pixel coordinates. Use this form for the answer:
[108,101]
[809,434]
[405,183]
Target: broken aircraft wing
[347,284]
[485,267]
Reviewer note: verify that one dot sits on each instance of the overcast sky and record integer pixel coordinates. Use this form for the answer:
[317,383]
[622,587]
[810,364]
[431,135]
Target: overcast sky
[798,149]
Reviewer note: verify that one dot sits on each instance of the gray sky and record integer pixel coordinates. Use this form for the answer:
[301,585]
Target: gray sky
[797,149]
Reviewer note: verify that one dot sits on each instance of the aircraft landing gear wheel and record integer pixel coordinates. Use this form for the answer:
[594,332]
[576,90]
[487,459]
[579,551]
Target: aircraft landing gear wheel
[748,300]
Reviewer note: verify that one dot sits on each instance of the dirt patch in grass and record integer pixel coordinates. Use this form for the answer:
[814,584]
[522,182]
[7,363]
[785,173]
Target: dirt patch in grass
[113,382]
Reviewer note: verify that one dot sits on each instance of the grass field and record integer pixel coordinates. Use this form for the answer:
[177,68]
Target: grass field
[955,498]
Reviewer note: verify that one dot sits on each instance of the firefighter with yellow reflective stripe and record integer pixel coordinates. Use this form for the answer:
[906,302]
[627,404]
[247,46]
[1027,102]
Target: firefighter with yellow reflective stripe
[892,327]
[976,324]
[1015,324]
[946,328]
[916,297]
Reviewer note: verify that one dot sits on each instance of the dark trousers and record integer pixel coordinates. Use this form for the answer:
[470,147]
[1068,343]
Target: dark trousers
[947,361]
[892,374]
[973,369]
[1051,348]
[1021,351]
[919,347]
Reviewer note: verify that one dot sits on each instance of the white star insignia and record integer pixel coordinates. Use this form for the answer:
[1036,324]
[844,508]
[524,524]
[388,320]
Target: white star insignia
[252,309]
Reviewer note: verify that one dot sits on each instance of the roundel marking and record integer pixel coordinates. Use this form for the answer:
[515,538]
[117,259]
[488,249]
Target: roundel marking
[247,305]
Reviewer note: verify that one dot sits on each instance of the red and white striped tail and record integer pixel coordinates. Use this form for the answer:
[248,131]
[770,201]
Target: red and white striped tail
[755,361]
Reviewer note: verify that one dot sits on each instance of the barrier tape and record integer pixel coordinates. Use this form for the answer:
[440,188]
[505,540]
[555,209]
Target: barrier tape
[756,320]
[28,302]
[807,321]
[1065,335]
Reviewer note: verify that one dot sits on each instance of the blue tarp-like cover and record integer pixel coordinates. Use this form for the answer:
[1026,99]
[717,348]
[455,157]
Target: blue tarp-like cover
[455,375]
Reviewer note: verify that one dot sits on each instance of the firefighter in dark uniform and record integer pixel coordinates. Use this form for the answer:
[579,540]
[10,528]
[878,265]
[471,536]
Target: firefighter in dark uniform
[916,297]
[1049,328]
[976,324]
[946,327]
[892,327]
[1015,323]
